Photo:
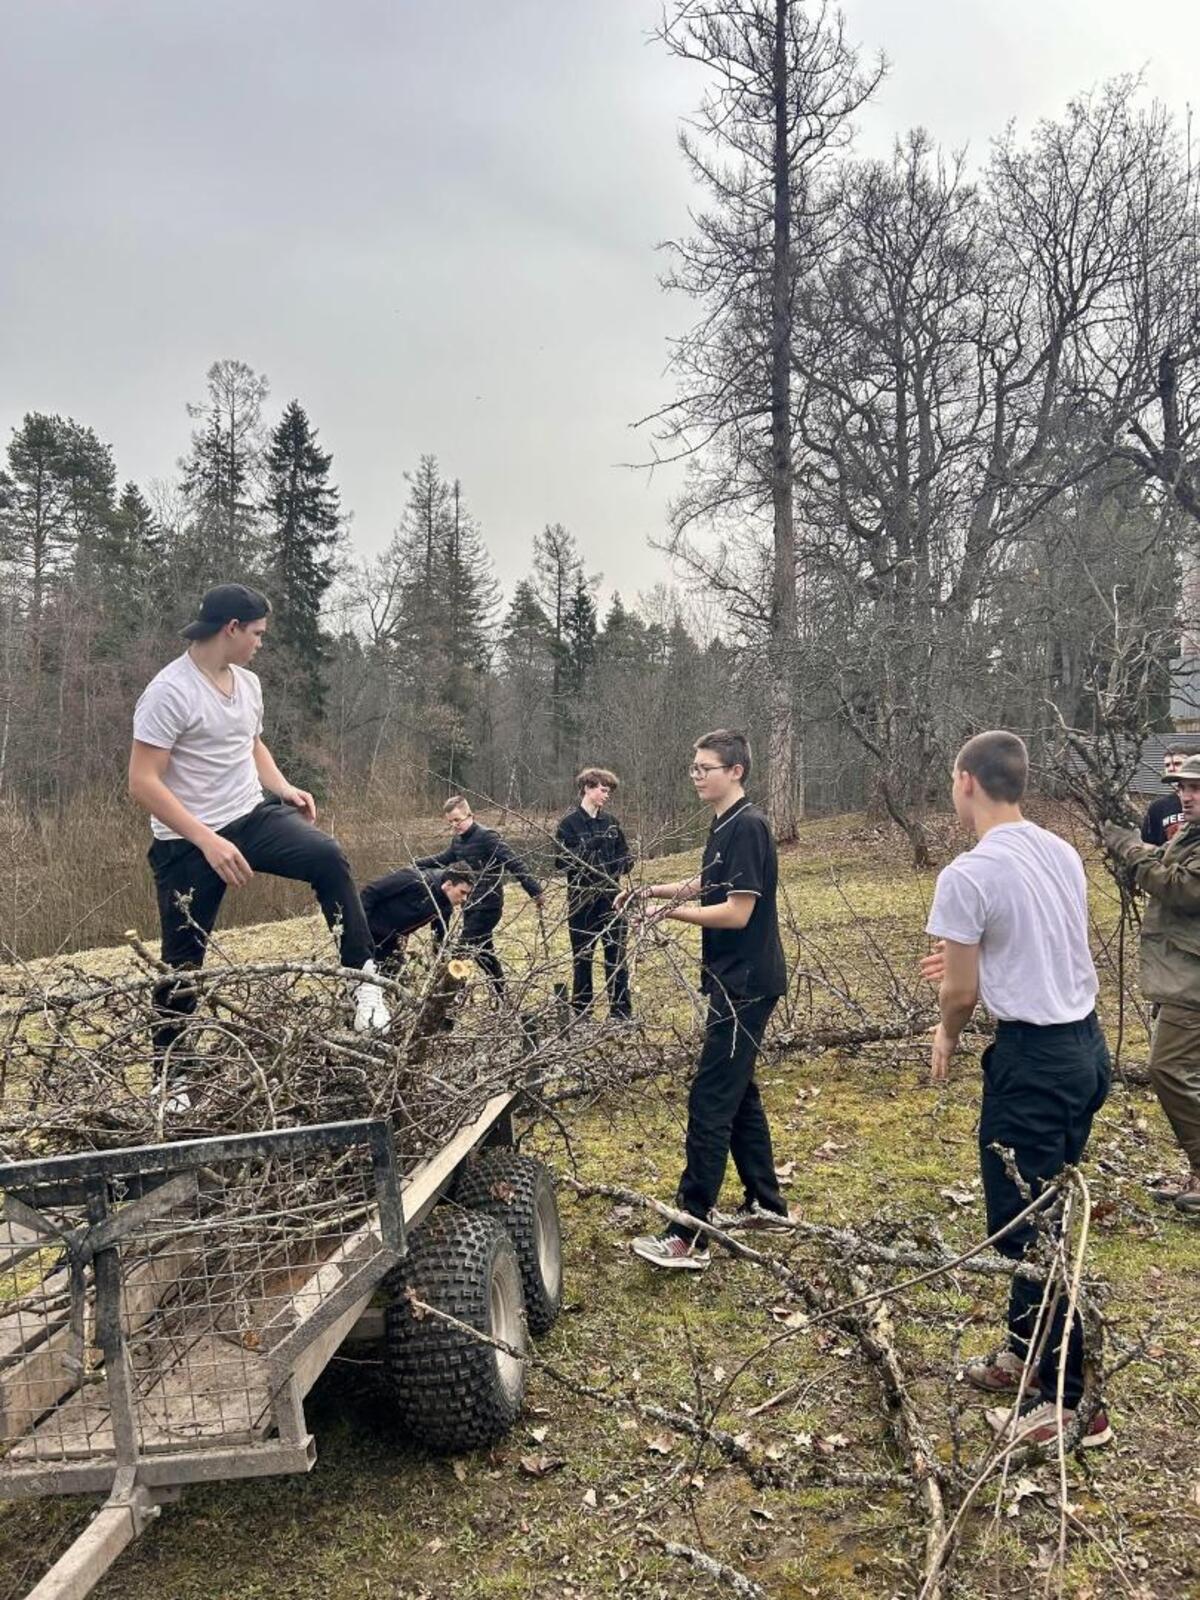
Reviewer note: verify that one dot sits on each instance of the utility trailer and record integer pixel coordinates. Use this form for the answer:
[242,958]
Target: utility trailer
[165,1309]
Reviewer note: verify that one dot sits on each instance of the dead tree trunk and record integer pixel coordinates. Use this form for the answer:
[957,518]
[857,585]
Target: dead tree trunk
[784,753]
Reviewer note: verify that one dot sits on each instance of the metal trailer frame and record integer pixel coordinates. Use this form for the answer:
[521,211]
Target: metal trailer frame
[122,1191]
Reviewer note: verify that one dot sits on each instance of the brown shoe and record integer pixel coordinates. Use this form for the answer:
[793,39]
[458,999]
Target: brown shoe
[1188,1198]
[1038,1424]
[1000,1373]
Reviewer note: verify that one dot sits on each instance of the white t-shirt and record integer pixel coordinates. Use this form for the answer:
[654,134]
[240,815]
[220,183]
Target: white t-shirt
[1021,896]
[211,740]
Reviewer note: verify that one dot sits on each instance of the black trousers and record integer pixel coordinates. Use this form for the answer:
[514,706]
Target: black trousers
[274,838]
[1042,1086]
[476,939]
[725,1113]
[591,922]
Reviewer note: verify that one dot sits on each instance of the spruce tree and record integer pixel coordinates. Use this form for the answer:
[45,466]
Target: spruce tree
[527,655]
[438,627]
[302,523]
[119,571]
[220,477]
[55,497]
[558,571]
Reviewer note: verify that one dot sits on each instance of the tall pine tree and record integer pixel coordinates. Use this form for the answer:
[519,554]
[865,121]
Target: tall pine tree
[437,624]
[302,522]
[221,474]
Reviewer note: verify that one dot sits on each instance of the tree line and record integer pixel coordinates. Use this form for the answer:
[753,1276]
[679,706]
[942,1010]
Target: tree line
[403,676]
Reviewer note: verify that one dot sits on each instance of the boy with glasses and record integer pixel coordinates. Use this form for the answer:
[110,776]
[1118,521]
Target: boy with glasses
[591,850]
[743,976]
[489,857]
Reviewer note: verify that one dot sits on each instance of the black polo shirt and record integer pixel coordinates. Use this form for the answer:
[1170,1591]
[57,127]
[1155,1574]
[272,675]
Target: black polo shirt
[739,858]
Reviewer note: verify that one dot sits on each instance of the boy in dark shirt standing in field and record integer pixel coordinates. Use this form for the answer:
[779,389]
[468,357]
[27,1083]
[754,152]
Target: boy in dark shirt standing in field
[591,850]
[743,976]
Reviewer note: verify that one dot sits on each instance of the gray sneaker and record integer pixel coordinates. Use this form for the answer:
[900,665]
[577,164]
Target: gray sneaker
[749,1216]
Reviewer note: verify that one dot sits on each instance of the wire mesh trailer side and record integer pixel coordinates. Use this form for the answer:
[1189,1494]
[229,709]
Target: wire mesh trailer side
[155,1302]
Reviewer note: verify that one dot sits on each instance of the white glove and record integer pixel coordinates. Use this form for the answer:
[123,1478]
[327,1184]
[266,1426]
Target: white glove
[371,1014]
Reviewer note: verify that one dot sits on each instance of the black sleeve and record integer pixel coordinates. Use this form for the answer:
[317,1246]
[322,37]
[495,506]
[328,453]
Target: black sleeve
[743,870]
[623,854]
[513,863]
[445,858]
[565,858]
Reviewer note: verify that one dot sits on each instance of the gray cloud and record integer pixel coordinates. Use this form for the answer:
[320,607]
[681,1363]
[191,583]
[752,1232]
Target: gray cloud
[432,223]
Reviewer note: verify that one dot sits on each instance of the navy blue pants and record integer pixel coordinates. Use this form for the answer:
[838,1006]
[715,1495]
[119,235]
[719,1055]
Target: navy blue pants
[1041,1088]
[726,1115]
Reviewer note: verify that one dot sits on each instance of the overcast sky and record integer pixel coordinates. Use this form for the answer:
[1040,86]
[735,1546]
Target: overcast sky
[432,221]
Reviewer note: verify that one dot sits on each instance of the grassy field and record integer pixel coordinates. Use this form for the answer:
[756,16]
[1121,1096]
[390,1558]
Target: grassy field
[569,1505]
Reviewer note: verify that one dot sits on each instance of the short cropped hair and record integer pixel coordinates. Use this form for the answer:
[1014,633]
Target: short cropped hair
[460,872]
[732,747]
[999,763]
[453,804]
[591,775]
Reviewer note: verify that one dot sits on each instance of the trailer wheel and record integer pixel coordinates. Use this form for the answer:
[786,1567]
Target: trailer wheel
[453,1391]
[519,1192]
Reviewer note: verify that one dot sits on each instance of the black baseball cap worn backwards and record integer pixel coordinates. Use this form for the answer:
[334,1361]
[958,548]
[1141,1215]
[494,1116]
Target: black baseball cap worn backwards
[227,602]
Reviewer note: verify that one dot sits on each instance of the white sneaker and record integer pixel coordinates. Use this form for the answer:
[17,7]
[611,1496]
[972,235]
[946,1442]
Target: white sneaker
[371,1014]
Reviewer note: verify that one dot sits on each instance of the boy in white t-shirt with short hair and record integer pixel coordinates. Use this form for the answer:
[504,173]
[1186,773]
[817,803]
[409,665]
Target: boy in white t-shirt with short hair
[1012,923]
[199,767]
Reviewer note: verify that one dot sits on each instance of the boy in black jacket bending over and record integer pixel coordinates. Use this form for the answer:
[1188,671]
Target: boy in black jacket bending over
[742,973]
[590,849]
[402,902]
[483,850]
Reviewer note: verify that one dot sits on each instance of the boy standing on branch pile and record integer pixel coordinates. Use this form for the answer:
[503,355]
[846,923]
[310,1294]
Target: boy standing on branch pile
[1012,924]
[485,852]
[199,767]
[1170,878]
[743,976]
[592,852]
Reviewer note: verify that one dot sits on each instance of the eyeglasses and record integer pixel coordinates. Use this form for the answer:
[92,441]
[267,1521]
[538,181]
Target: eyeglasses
[697,771]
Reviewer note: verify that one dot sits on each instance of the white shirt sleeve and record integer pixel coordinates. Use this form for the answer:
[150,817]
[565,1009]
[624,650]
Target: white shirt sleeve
[161,715]
[958,911]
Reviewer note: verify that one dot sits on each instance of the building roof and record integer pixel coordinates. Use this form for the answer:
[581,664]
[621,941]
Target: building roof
[1148,779]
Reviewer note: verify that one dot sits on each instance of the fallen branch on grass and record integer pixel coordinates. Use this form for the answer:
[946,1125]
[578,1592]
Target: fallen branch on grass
[721,1571]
